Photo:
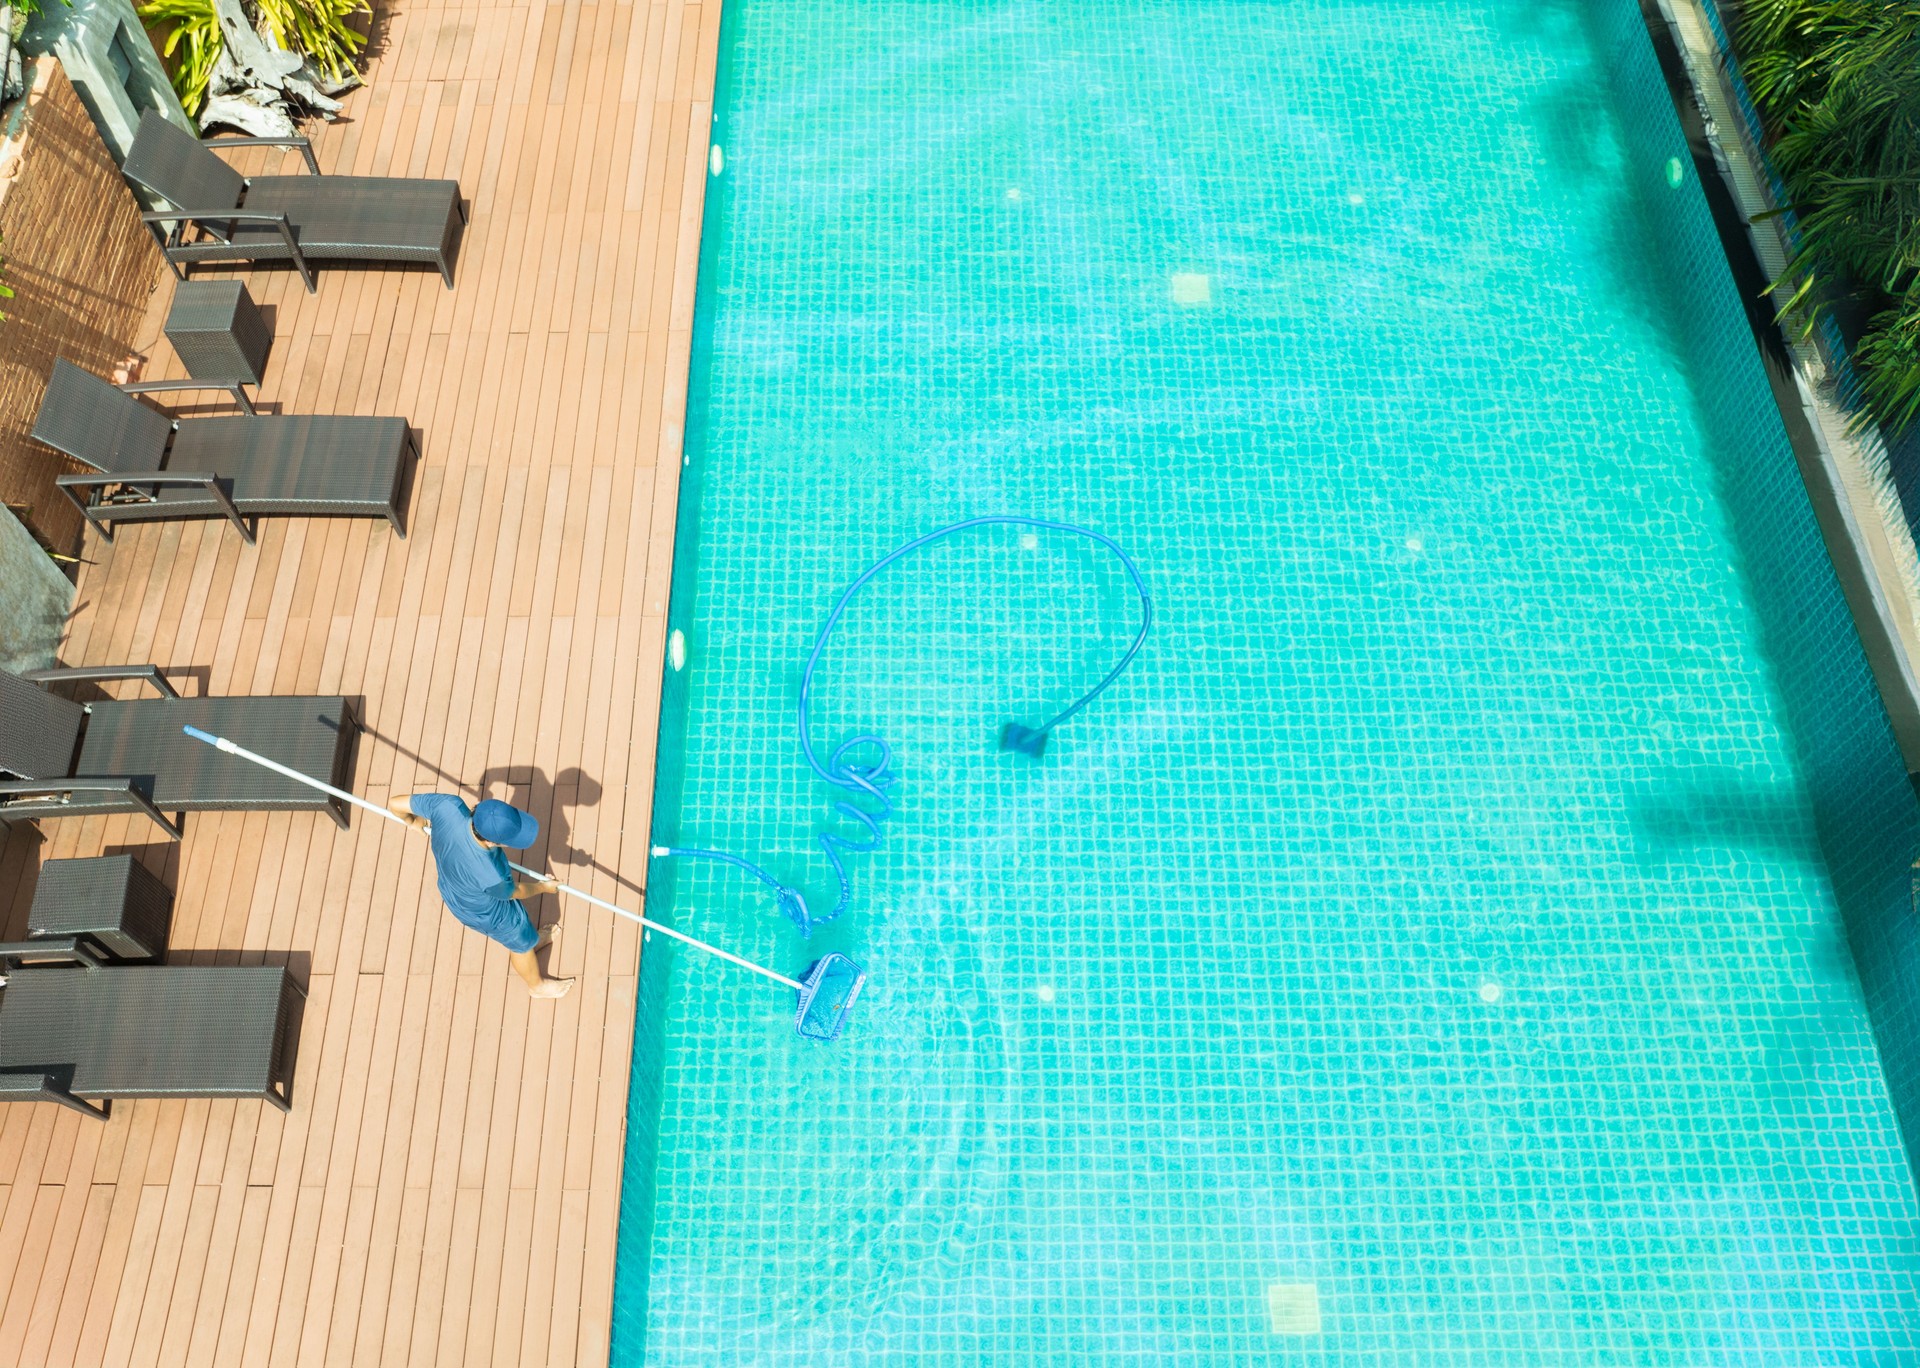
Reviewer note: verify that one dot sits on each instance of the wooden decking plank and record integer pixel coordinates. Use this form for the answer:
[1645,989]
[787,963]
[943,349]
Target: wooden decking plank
[396,1312]
[63,1290]
[510,1254]
[457,1314]
[25,1250]
[274,1319]
[267,1327]
[249,1252]
[174,1293]
[515,633]
[332,1306]
[196,1338]
[110,1338]
[413,1338]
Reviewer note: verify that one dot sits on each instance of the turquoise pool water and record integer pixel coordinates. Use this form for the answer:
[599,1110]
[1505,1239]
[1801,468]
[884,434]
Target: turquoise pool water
[1425,955]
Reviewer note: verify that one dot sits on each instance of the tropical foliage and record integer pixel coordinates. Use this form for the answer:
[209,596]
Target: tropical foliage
[21,11]
[1838,86]
[319,29]
[192,45]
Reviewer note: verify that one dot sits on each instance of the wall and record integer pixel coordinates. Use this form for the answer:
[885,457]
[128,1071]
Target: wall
[81,266]
[95,41]
[35,598]
[1865,809]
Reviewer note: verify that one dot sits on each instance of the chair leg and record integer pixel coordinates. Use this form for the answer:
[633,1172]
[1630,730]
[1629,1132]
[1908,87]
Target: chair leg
[231,512]
[57,1092]
[351,728]
[410,453]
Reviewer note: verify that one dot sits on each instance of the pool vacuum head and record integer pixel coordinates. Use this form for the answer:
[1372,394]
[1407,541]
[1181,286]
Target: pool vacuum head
[827,996]
[1026,740]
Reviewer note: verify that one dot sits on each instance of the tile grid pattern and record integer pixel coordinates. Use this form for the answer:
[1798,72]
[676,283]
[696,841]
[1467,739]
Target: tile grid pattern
[1872,821]
[1446,916]
[445,1190]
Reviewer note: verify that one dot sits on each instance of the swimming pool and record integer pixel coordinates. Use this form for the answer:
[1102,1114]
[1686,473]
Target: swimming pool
[1426,954]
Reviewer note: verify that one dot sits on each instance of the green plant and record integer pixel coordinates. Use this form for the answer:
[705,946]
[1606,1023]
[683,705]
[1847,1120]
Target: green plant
[1838,86]
[193,42]
[24,10]
[319,29]
[6,290]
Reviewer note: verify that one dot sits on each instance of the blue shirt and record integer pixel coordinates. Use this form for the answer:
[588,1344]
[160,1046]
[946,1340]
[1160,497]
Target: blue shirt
[474,879]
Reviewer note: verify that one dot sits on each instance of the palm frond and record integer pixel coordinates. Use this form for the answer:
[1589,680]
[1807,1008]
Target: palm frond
[320,29]
[1838,87]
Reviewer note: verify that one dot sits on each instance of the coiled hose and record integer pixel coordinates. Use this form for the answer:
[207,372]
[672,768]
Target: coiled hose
[863,764]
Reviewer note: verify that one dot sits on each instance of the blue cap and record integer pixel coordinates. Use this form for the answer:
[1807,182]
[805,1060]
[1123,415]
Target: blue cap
[504,824]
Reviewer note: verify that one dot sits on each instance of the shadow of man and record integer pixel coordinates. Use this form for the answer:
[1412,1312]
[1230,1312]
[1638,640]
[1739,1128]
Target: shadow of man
[556,801]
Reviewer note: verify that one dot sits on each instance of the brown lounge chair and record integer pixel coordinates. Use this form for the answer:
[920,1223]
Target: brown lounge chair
[146,1030]
[80,760]
[149,468]
[207,211]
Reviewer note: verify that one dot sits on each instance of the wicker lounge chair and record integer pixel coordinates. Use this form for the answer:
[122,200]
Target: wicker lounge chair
[149,468]
[75,760]
[143,1030]
[207,211]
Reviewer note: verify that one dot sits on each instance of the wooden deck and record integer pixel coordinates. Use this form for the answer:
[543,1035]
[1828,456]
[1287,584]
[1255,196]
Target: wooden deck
[446,1189]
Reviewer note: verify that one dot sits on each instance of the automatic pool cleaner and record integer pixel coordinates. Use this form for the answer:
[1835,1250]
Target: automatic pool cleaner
[826,993]
[863,764]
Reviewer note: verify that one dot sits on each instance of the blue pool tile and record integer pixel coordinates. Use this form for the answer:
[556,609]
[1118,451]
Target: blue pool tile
[1451,912]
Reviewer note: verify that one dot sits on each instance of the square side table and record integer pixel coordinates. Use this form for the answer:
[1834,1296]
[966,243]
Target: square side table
[111,898]
[218,331]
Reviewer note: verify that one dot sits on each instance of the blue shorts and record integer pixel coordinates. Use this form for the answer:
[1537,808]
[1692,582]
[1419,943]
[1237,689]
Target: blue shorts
[505,921]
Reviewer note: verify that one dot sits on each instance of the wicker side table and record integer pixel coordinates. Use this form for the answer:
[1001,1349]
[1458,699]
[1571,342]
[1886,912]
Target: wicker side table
[111,899]
[218,331]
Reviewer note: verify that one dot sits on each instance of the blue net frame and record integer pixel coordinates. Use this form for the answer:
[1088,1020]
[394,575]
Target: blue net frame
[827,995]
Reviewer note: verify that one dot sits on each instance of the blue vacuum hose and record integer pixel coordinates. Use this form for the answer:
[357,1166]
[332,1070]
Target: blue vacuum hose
[863,764]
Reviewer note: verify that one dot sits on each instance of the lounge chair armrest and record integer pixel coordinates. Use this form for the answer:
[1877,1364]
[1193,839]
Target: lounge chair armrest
[234,387]
[38,1086]
[305,146]
[138,477]
[62,788]
[95,674]
[205,479]
[158,218]
[66,949]
[212,216]
[92,481]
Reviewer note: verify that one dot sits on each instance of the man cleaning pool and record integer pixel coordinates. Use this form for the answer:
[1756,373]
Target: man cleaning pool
[475,881]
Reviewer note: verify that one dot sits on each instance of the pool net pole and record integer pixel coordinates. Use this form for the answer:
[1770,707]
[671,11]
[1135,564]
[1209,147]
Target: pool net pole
[230,748]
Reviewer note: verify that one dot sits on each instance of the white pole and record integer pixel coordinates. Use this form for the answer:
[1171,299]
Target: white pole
[221,743]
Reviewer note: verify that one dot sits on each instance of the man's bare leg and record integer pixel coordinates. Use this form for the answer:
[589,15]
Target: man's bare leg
[527,964]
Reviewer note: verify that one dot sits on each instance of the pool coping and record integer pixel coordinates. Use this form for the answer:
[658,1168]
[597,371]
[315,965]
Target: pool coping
[1853,500]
